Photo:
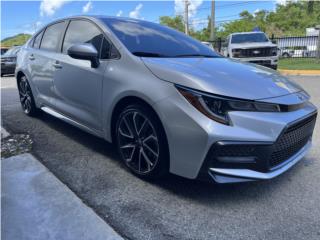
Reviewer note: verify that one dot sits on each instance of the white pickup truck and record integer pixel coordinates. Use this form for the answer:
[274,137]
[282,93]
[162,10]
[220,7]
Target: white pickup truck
[254,47]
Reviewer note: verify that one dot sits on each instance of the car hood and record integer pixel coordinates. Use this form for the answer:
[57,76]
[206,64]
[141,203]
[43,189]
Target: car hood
[222,76]
[252,45]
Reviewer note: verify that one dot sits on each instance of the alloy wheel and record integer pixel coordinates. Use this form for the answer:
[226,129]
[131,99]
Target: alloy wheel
[138,142]
[25,95]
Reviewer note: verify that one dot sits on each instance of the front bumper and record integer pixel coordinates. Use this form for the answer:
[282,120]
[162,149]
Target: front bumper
[259,160]
[8,68]
[231,175]
[191,136]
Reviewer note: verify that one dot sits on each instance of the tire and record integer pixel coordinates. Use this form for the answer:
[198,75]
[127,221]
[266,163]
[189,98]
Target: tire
[26,97]
[274,67]
[285,55]
[141,142]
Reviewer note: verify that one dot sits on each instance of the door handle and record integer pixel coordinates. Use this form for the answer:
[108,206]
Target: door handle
[57,64]
[31,57]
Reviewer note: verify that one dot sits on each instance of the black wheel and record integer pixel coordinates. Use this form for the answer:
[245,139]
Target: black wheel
[141,142]
[26,97]
[274,67]
[285,55]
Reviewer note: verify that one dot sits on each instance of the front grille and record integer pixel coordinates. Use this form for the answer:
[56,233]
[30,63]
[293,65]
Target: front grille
[235,151]
[292,140]
[260,156]
[256,52]
[262,62]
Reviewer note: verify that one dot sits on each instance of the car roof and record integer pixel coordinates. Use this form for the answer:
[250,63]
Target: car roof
[89,17]
[96,17]
[245,33]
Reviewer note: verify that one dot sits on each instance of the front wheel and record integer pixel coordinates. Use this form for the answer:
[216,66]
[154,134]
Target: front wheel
[285,55]
[274,67]
[26,98]
[141,142]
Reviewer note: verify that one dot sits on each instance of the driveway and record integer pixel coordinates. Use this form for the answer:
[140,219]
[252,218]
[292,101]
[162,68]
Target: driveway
[287,207]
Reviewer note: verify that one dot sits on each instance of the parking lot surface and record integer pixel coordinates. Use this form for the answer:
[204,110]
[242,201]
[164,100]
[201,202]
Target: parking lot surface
[287,207]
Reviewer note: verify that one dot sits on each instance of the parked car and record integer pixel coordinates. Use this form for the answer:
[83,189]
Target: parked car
[8,61]
[4,50]
[286,52]
[300,51]
[166,101]
[253,47]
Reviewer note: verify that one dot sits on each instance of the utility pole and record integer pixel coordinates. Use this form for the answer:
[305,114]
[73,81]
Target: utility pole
[212,21]
[186,17]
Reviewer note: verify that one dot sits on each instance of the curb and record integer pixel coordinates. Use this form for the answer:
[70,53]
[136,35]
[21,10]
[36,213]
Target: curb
[36,204]
[300,72]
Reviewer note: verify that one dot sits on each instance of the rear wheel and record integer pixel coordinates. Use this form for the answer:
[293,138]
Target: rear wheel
[26,97]
[141,142]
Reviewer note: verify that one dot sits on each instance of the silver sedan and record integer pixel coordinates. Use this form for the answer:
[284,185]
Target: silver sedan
[166,101]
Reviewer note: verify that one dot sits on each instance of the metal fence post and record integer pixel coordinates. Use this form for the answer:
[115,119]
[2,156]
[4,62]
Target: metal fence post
[318,47]
[219,44]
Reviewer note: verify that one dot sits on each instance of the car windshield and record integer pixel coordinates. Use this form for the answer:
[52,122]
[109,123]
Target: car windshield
[148,39]
[249,37]
[11,52]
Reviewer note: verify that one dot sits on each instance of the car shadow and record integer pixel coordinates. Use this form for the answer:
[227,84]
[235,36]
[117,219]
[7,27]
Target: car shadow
[94,143]
[196,190]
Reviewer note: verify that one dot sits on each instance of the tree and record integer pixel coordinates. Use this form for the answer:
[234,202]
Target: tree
[290,19]
[310,6]
[173,22]
[16,40]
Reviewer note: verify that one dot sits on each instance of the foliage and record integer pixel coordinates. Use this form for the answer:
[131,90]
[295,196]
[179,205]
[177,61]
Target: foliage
[294,18]
[173,22]
[16,40]
[287,20]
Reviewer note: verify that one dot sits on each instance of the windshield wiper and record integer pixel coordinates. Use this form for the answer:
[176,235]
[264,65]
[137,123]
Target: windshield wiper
[148,54]
[196,55]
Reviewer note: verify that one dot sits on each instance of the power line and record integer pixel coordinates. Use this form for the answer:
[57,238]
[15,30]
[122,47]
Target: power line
[206,21]
[221,17]
[224,6]
[220,6]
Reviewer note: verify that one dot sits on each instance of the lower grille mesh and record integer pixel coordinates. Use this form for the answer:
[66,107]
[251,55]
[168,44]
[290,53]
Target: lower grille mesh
[260,156]
[292,140]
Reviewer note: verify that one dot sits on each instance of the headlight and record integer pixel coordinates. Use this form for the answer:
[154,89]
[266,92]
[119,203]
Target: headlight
[236,52]
[217,107]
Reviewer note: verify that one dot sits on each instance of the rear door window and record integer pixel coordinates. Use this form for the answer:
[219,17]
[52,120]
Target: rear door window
[52,36]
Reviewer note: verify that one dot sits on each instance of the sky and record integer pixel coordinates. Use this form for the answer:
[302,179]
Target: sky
[28,16]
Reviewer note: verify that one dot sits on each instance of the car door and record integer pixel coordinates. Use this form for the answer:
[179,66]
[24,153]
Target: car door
[78,86]
[41,59]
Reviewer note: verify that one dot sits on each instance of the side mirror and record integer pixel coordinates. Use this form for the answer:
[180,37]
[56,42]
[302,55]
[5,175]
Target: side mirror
[274,41]
[85,51]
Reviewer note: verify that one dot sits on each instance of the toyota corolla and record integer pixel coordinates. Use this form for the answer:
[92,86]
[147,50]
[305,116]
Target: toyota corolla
[168,102]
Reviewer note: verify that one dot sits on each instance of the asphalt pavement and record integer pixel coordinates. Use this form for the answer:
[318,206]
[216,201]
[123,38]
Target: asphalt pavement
[287,207]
